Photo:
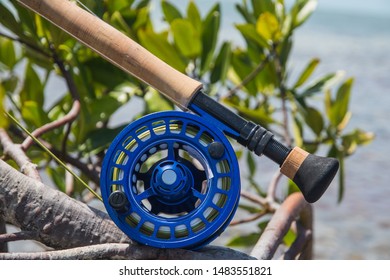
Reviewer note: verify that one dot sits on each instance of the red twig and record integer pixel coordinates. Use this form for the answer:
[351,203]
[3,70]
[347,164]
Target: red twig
[69,117]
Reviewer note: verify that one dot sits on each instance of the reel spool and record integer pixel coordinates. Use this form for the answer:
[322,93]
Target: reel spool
[170,181]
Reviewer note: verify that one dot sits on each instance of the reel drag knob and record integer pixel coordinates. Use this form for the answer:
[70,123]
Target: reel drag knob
[170,181]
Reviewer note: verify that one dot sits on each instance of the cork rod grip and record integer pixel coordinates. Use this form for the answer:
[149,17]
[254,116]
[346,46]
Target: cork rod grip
[117,48]
[312,174]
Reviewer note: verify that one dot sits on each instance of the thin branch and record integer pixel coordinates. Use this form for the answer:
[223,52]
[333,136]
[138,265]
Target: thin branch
[271,192]
[17,236]
[249,219]
[283,94]
[89,170]
[26,43]
[254,198]
[70,116]
[15,152]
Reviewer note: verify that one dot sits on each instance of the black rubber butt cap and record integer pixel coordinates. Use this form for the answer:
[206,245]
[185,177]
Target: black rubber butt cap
[315,175]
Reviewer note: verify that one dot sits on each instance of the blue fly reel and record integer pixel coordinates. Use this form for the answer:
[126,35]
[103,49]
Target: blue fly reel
[170,181]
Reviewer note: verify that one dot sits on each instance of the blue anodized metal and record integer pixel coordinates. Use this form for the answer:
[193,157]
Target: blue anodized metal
[178,195]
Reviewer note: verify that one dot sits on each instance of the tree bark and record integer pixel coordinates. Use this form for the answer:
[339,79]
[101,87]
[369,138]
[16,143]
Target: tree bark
[75,230]
[59,221]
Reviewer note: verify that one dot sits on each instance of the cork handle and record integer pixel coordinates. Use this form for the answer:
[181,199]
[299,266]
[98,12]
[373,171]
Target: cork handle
[117,48]
[312,174]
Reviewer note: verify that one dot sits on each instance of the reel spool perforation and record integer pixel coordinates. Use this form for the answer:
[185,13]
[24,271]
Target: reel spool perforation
[178,195]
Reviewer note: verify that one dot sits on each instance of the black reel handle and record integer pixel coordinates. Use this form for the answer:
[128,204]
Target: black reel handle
[312,174]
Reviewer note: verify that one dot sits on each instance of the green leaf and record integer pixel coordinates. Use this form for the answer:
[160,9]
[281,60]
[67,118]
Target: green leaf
[321,83]
[7,53]
[3,119]
[221,65]
[98,140]
[118,5]
[32,87]
[258,115]
[267,26]
[194,17]
[155,102]
[33,113]
[186,38]
[104,73]
[57,174]
[9,21]
[158,44]
[244,240]
[242,66]
[289,238]
[314,120]
[341,176]
[249,32]
[170,11]
[262,6]
[246,14]
[303,10]
[307,72]
[340,106]
[298,132]
[357,137]
[210,30]
[251,164]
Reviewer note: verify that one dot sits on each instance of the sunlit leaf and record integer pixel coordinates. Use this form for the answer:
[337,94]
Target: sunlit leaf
[158,44]
[249,32]
[3,120]
[155,102]
[289,238]
[170,11]
[7,53]
[244,240]
[306,73]
[186,38]
[357,137]
[340,106]
[322,83]
[298,132]
[267,26]
[32,87]
[33,113]
[305,11]
[194,17]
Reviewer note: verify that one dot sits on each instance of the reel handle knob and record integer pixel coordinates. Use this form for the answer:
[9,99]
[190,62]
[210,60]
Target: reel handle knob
[312,174]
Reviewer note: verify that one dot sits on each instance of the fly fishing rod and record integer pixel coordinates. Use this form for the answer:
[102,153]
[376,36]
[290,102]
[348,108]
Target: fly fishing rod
[171,179]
